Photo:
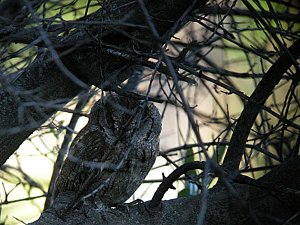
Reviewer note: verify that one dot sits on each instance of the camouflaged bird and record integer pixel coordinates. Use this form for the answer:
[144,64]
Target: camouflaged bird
[113,153]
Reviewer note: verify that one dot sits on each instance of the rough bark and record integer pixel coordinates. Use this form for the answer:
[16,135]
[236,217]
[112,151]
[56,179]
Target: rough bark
[258,206]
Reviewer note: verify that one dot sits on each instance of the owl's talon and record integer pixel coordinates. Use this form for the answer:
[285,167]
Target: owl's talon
[104,209]
[135,202]
[126,206]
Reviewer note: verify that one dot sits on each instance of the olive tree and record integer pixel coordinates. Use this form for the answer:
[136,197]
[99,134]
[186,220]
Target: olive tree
[229,69]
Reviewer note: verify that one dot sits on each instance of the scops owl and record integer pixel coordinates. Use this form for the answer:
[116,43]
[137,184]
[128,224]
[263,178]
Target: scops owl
[113,153]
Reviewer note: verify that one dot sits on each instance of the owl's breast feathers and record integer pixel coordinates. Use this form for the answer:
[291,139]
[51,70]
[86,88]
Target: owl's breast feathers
[113,153]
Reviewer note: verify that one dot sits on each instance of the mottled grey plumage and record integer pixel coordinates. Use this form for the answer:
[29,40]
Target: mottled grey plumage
[113,153]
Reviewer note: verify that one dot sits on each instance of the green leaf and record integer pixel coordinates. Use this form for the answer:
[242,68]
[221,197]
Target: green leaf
[184,192]
[189,155]
[218,154]
[190,190]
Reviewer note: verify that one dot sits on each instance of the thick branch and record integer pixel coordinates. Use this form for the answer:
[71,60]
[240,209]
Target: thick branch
[256,101]
[223,208]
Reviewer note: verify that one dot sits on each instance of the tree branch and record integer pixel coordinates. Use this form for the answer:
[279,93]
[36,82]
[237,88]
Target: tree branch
[256,101]
[223,208]
[44,80]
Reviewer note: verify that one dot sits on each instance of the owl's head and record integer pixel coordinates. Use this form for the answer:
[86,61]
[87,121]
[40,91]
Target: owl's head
[116,115]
